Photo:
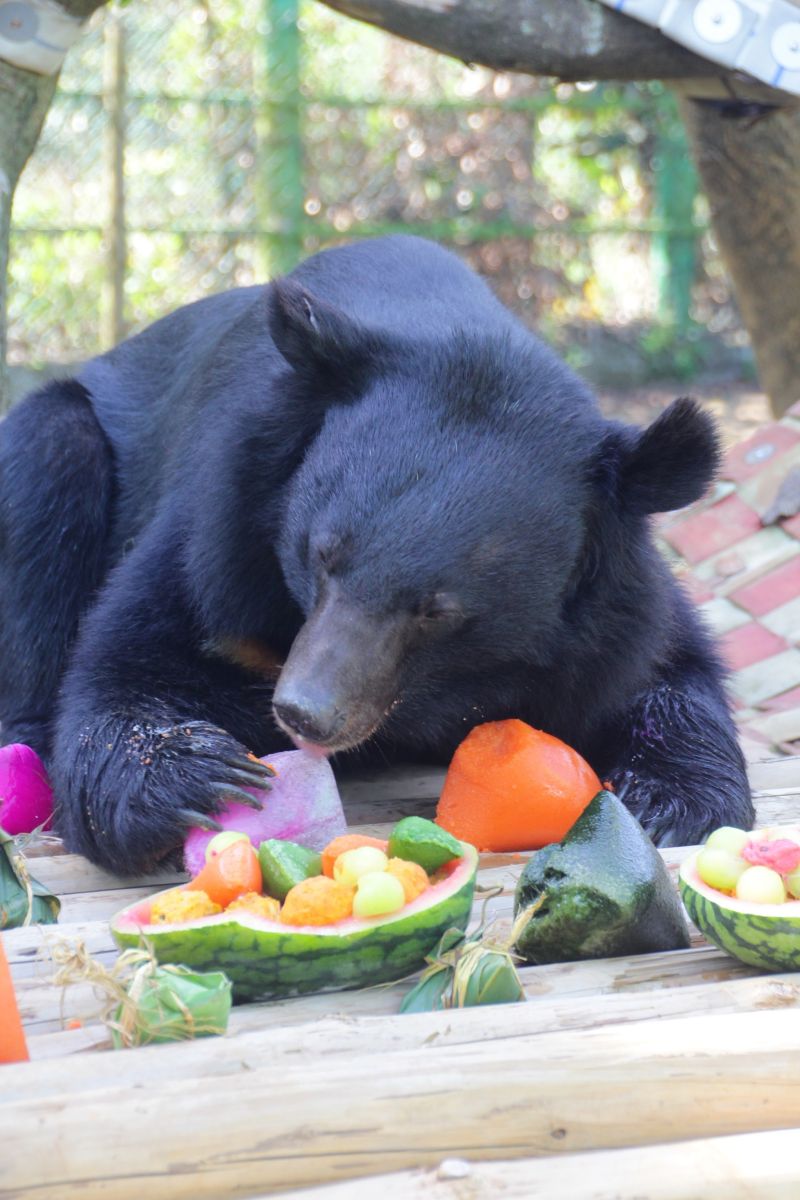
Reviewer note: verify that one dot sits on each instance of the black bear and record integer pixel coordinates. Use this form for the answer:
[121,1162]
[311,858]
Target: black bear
[361,509]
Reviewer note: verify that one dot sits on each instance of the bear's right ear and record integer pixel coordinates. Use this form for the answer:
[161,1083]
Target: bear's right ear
[669,464]
[312,334]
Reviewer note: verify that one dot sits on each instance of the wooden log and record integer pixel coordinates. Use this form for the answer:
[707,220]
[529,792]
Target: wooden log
[44,1009]
[343,1116]
[731,1168]
[332,1026]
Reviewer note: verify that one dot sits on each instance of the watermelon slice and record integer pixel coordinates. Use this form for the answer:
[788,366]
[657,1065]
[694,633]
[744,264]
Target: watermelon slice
[266,960]
[761,935]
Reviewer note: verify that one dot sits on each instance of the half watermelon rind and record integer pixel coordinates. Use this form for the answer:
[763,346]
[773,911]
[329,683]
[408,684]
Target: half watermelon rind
[766,936]
[267,960]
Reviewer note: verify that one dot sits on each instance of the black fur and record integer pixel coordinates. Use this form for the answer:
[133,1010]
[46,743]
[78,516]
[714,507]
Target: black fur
[372,474]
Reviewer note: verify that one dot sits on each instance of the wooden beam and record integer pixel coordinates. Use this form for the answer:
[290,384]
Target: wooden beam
[570,39]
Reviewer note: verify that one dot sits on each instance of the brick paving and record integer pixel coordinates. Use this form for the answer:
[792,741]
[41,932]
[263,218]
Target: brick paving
[741,563]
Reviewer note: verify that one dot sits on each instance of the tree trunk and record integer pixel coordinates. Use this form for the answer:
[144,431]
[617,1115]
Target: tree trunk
[750,171]
[24,100]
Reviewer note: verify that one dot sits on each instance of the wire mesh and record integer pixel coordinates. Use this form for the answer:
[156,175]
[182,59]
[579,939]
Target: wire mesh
[259,130]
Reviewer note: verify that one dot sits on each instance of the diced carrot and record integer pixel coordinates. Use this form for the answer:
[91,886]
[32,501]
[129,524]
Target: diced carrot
[513,787]
[229,874]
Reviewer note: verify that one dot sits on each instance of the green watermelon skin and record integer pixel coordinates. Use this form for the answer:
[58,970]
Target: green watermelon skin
[763,936]
[266,961]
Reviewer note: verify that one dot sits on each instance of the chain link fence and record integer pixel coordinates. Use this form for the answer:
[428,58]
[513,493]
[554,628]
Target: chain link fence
[196,146]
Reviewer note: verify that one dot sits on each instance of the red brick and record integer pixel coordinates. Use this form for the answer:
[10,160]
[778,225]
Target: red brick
[783,702]
[751,455]
[697,590]
[706,533]
[792,526]
[770,591]
[750,644]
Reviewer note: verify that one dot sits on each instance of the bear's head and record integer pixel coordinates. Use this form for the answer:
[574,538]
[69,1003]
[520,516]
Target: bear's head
[464,523]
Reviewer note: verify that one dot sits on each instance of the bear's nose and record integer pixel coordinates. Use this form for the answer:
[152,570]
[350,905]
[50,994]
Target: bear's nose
[317,725]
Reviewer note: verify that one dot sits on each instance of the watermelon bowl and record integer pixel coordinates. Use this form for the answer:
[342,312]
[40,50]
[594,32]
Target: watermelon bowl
[766,936]
[267,960]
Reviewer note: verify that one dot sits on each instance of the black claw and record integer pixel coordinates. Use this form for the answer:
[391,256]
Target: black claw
[202,820]
[235,793]
[245,763]
[251,778]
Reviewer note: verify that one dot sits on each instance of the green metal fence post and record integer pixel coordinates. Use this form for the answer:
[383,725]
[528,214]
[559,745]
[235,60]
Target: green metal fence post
[674,248]
[282,158]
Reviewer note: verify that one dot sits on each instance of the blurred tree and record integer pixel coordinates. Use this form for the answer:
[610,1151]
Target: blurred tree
[746,136]
[25,97]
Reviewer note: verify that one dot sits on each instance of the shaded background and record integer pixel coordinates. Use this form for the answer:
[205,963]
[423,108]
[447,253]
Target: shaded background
[193,148]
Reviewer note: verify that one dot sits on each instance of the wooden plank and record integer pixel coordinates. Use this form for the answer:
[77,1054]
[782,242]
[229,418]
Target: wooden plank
[782,772]
[349,1115]
[70,875]
[394,786]
[741,1167]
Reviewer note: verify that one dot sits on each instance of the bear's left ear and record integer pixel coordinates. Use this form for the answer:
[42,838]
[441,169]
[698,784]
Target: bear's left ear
[312,334]
[669,464]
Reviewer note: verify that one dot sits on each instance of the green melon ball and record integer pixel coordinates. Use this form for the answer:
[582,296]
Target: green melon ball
[793,884]
[221,841]
[727,837]
[378,894]
[363,860]
[760,885]
[719,868]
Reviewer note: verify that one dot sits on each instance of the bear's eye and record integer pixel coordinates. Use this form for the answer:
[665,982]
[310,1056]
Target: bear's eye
[441,609]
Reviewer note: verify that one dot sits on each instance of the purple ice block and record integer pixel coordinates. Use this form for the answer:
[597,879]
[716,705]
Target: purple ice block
[26,797]
[302,806]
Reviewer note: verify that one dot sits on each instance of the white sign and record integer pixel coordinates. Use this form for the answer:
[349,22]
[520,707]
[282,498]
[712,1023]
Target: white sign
[36,34]
[761,37]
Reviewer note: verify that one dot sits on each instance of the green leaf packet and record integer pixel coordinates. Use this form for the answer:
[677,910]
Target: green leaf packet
[170,1004]
[465,971]
[23,900]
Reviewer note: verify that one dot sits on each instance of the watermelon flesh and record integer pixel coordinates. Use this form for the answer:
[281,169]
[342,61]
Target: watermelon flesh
[268,960]
[303,805]
[766,936]
[26,797]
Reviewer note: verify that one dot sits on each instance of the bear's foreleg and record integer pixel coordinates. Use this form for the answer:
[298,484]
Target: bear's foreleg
[678,766]
[152,733]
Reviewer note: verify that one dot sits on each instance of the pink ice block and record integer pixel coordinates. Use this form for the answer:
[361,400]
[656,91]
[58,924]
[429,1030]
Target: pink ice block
[26,797]
[302,806]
